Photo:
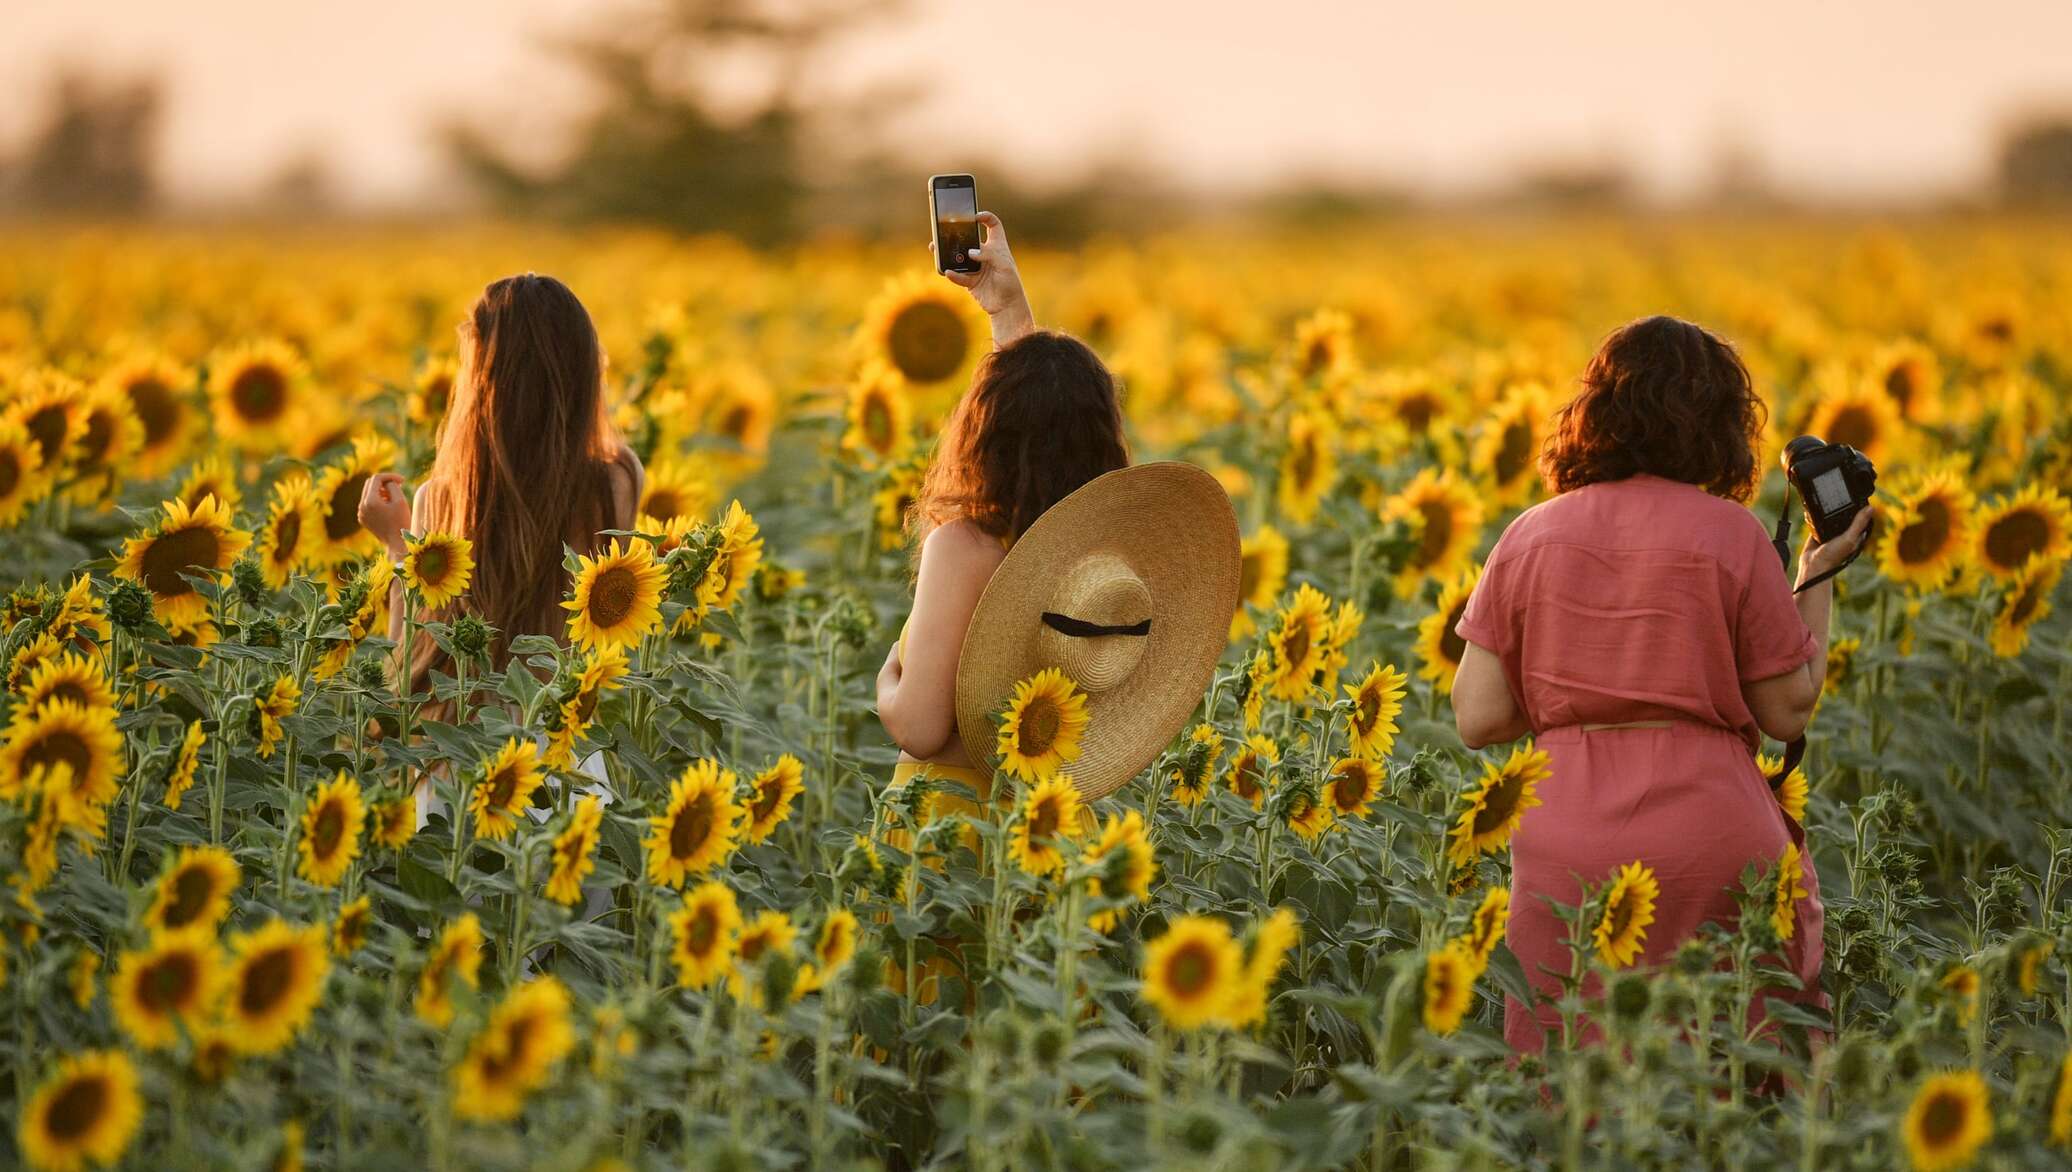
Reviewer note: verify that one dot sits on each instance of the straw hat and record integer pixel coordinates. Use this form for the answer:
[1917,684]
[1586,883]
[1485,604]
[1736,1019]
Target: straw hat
[1128,587]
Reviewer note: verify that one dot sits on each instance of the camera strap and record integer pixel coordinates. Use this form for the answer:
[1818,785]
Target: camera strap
[1780,540]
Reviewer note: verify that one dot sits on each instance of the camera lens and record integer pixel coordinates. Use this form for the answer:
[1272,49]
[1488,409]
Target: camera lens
[1802,445]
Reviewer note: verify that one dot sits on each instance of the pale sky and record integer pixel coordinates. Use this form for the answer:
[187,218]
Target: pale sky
[1836,98]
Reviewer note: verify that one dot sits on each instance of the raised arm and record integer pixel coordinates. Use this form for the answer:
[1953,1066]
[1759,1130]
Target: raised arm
[997,285]
[1783,704]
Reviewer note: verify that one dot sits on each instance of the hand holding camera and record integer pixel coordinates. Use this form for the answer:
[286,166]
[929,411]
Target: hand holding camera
[1835,482]
[1818,558]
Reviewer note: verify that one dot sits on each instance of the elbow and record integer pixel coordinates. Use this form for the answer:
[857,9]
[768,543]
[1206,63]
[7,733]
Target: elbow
[1786,726]
[915,738]
[1476,732]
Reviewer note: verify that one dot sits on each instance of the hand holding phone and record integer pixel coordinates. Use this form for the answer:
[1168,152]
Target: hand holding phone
[953,205]
[988,269]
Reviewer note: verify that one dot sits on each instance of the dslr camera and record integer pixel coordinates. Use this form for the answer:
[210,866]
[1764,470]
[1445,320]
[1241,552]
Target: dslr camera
[1834,480]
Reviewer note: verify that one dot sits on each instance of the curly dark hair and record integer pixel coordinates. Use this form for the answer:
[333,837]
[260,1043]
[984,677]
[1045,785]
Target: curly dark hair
[1042,417]
[1665,397]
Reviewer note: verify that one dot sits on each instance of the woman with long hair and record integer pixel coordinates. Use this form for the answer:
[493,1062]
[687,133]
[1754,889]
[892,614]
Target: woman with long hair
[527,461]
[1639,626]
[1041,418]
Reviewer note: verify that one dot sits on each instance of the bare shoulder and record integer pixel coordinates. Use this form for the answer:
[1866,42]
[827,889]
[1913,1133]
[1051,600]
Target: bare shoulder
[961,549]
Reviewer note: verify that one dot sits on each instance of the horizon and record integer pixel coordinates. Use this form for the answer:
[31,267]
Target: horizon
[1858,104]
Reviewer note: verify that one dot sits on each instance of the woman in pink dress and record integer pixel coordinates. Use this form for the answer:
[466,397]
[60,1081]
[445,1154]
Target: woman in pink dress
[1639,626]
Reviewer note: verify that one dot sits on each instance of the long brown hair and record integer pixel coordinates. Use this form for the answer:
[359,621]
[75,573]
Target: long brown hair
[524,452]
[1665,397]
[1042,417]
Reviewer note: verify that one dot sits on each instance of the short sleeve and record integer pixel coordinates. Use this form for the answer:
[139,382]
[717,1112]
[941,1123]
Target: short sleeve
[1489,621]
[1769,636]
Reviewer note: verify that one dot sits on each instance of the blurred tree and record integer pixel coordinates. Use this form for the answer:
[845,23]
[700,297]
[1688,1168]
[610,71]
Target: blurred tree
[96,151]
[2036,161]
[668,143]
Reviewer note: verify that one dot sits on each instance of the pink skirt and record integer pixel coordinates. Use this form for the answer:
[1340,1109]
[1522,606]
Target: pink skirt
[1686,800]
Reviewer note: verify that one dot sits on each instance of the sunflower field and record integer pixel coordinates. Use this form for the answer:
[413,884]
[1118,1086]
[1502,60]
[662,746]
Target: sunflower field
[667,911]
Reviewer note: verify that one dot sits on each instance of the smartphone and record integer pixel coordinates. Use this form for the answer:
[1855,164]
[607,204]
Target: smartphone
[953,202]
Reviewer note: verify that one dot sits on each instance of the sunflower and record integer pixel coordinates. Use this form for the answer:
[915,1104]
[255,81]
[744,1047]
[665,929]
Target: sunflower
[1908,374]
[49,406]
[1041,726]
[526,1036]
[1271,942]
[696,831]
[349,929]
[1928,537]
[194,891]
[331,826]
[275,706]
[880,415]
[1449,986]
[2035,522]
[275,982]
[455,957]
[769,933]
[61,732]
[740,407]
[920,328]
[2024,603]
[1961,985]
[1323,347]
[1339,635]
[1791,792]
[675,490]
[1445,514]
[575,851]
[1439,646]
[1629,907]
[1306,813]
[1192,972]
[1506,452]
[1486,926]
[1309,465]
[1262,573]
[1251,769]
[290,536]
[1791,890]
[338,492]
[740,552]
[835,945]
[82,620]
[1297,642]
[1377,701]
[1352,786]
[85,963]
[438,566]
[896,493]
[109,436]
[1950,1119]
[2028,965]
[1122,839]
[87,1110]
[185,764]
[1191,774]
[499,800]
[772,791]
[432,391]
[603,671]
[256,393]
[156,390]
[1860,414]
[1050,815]
[702,934]
[71,677]
[23,480]
[618,597]
[211,477]
[28,657]
[1493,809]
[170,980]
[395,822]
[201,541]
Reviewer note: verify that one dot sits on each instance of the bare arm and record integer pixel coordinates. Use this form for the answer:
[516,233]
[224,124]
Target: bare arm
[1483,708]
[997,285]
[1783,705]
[917,693]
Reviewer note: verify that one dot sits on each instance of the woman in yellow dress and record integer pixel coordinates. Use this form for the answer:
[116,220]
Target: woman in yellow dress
[1041,419]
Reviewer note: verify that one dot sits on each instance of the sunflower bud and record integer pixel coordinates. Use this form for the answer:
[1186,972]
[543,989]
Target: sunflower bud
[1047,1042]
[780,974]
[369,674]
[851,621]
[249,582]
[1003,1035]
[470,637]
[1630,996]
[264,631]
[129,607]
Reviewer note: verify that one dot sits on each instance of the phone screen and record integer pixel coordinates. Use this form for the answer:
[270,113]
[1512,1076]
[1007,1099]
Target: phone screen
[956,227]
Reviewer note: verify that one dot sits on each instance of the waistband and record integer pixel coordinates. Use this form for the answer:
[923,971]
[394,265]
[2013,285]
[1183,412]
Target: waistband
[907,770]
[1576,732]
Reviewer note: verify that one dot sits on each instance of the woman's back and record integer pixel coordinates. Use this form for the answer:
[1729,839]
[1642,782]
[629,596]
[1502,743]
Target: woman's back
[1636,599]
